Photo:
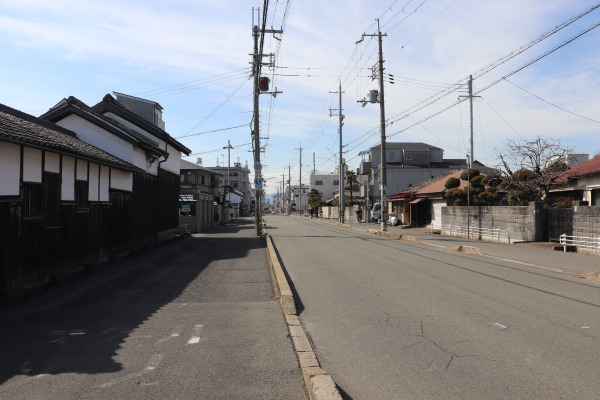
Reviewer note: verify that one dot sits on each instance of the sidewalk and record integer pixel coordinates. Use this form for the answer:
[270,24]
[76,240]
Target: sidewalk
[535,254]
[194,318]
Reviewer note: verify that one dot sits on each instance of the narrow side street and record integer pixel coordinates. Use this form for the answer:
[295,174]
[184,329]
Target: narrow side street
[193,319]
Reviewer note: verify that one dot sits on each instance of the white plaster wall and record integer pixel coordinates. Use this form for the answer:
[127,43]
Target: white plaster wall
[436,212]
[32,165]
[104,183]
[93,183]
[173,163]
[68,179]
[136,128]
[10,169]
[140,160]
[96,136]
[52,162]
[82,170]
[121,180]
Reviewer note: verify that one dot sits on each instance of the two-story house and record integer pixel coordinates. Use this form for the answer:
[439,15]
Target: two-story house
[57,213]
[407,164]
[153,195]
[198,192]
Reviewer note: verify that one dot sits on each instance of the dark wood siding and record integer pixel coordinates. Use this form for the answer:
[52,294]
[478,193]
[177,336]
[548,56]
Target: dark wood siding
[44,239]
[168,201]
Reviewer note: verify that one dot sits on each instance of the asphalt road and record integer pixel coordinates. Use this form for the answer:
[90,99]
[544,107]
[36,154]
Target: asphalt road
[194,319]
[392,319]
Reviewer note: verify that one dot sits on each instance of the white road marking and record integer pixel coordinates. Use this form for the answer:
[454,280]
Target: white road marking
[196,338]
[500,326]
[73,332]
[150,366]
[175,333]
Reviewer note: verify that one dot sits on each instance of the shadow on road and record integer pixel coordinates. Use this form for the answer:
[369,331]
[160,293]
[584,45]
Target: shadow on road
[82,327]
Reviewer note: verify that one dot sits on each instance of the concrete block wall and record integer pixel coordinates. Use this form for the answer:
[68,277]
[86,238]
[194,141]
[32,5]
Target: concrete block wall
[525,223]
[586,223]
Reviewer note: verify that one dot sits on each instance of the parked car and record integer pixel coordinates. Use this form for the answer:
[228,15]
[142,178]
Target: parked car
[376,211]
[393,220]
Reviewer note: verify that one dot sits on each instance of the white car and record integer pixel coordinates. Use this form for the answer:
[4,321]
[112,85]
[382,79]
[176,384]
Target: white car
[392,219]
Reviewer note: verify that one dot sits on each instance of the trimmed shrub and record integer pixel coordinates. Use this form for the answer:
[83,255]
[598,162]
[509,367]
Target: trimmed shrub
[465,174]
[452,183]
[477,181]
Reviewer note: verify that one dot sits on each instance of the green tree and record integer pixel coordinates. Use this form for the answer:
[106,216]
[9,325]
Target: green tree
[452,183]
[351,179]
[315,200]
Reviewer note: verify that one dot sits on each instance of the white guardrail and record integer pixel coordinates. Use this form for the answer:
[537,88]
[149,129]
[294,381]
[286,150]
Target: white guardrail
[579,241]
[474,231]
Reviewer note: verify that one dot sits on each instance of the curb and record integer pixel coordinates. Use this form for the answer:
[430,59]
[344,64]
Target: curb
[385,233]
[317,381]
[282,288]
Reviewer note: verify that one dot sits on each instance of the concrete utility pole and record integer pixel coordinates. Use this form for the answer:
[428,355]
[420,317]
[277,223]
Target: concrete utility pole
[381,102]
[341,205]
[470,96]
[256,71]
[229,147]
[289,189]
[300,181]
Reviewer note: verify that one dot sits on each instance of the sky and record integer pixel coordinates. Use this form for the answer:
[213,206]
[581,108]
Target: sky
[193,58]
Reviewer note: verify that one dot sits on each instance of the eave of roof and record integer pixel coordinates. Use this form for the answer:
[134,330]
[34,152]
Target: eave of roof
[72,105]
[23,129]
[591,167]
[109,103]
[184,165]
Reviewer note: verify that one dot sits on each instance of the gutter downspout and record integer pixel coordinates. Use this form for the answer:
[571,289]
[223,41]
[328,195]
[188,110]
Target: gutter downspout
[158,186]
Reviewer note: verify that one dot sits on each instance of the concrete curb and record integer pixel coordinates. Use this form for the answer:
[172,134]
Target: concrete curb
[317,381]
[283,291]
[467,250]
[385,233]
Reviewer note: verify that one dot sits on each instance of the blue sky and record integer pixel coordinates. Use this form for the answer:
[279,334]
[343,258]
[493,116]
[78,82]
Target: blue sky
[193,58]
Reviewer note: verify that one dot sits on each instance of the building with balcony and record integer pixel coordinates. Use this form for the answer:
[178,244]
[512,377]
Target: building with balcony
[407,164]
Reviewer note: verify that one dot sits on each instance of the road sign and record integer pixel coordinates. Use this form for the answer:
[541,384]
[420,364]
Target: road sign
[258,181]
[257,166]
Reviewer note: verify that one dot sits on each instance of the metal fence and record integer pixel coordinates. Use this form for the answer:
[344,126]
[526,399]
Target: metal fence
[474,232]
[579,241]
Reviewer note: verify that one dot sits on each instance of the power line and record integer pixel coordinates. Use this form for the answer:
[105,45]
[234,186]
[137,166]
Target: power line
[216,130]
[215,150]
[552,104]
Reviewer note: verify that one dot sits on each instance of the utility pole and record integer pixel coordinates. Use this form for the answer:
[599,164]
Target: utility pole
[229,147]
[283,193]
[381,101]
[300,181]
[256,71]
[289,189]
[470,96]
[341,206]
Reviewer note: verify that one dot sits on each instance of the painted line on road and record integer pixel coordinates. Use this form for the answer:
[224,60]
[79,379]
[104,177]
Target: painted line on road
[196,338]
[500,326]
[154,362]
[175,333]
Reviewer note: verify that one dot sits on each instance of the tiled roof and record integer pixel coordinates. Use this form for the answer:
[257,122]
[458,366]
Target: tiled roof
[109,103]
[183,164]
[24,129]
[410,146]
[437,184]
[72,105]
[591,167]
